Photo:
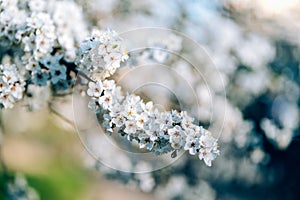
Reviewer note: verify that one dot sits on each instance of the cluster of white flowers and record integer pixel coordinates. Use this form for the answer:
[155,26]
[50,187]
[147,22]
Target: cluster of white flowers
[12,18]
[38,35]
[40,59]
[65,15]
[40,25]
[44,39]
[32,28]
[256,82]
[160,132]
[11,85]
[101,54]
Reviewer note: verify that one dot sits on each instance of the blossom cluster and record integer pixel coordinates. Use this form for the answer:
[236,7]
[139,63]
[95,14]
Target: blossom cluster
[45,42]
[255,65]
[11,85]
[160,132]
[33,28]
[40,25]
[43,39]
[260,72]
[101,54]
[65,14]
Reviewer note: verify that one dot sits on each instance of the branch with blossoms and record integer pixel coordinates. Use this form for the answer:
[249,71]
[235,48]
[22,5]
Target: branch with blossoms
[159,132]
[44,59]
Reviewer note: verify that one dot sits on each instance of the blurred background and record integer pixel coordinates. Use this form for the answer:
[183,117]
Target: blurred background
[246,86]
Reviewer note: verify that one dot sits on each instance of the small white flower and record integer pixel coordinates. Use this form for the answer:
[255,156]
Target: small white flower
[29,42]
[166,120]
[116,110]
[153,130]
[130,127]
[9,76]
[141,119]
[130,112]
[5,17]
[35,21]
[192,144]
[106,100]
[154,114]
[103,49]
[43,44]
[208,150]
[113,60]
[118,120]
[6,99]
[147,107]
[108,85]
[133,101]
[208,141]
[95,89]
[16,90]
[177,137]
[208,156]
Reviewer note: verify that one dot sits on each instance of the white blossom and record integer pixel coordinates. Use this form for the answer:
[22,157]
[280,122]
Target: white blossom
[177,137]
[11,85]
[155,131]
[208,151]
[102,53]
[130,127]
[106,100]
[95,89]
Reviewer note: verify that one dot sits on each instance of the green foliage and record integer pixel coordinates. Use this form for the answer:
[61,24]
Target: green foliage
[63,181]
